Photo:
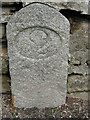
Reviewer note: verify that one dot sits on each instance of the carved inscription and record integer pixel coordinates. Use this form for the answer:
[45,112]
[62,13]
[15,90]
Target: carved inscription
[38,42]
[38,38]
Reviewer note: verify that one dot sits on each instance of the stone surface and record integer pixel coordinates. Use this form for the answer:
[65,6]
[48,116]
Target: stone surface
[4,18]
[78,5]
[80,95]
[9,2]
[7,10]
[79,39]
[4,84]
[3,41]
[82,69]
[77,83]
[79,57]
[0,107]
[3,61]
[38,38]
[2,30]
[79,63]
[74,108]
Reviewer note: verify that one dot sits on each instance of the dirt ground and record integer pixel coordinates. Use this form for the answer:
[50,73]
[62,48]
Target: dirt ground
[74,108]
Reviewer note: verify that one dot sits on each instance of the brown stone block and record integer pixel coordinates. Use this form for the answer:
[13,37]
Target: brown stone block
[3,61]
[79,39]
[3,51]
[4,84]
[82,95]
[2,30]
[7,10]
[7,2]
[77,83]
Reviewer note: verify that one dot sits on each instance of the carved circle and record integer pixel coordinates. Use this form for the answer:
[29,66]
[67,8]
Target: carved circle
[38,42]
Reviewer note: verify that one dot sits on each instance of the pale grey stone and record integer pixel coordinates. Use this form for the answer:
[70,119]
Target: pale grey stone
[78,62]
[4,18]
[8,2]
[79,57]
[38,48]
[78,5]
[82,69]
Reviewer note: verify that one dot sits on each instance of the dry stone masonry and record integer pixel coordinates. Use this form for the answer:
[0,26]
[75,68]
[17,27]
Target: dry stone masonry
[7,9]
[77,5]
[38,48]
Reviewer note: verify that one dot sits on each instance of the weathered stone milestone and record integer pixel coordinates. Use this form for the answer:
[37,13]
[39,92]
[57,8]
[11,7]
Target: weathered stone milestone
[38,48]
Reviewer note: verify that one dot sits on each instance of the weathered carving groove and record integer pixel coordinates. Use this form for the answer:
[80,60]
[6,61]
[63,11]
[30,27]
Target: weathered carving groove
[42,41]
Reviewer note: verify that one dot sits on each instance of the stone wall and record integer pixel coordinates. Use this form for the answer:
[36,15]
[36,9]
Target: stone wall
[7,10]
[78,59]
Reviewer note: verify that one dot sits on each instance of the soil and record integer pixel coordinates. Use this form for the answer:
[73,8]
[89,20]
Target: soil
[74,108]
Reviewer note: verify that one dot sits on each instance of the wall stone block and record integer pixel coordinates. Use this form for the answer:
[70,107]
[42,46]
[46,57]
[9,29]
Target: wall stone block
[77,83]
[4,84]
[3,61]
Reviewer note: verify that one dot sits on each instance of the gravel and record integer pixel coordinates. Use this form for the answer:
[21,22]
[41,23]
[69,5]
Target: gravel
[74,108]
